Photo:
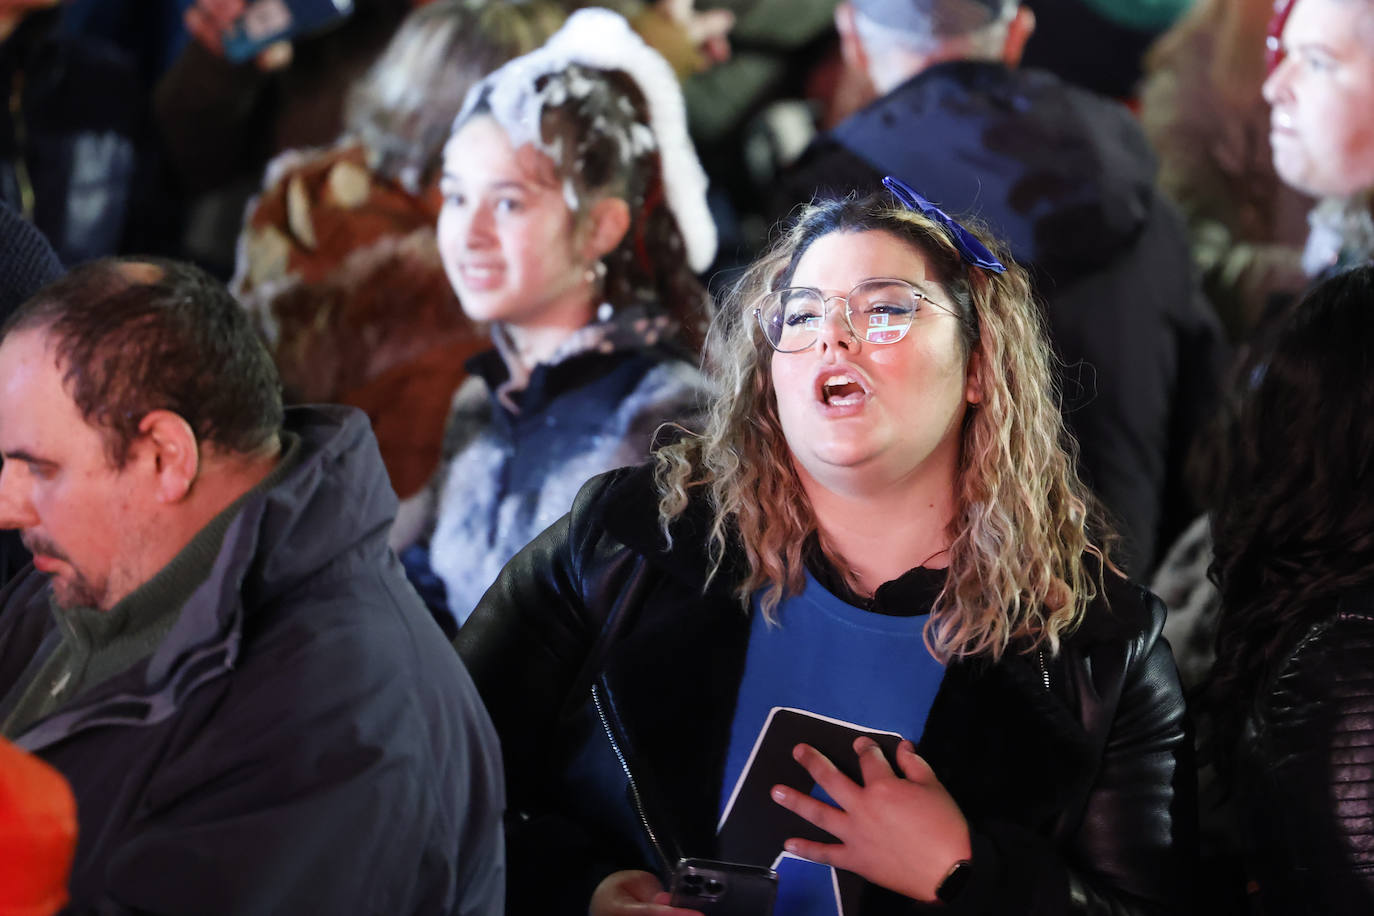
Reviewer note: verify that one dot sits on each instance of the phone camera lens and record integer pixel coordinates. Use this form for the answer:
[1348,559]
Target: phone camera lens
[692,882]
[714,887]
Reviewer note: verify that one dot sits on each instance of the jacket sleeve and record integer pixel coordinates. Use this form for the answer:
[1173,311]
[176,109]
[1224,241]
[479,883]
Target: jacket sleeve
[375,792]
[529,646]
[1131,851]
[1135,847]
[1309,799]
[530,635]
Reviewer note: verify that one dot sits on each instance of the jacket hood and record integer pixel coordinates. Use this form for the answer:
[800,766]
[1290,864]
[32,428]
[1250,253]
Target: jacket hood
[327,515]
[1065,177]
[335,505]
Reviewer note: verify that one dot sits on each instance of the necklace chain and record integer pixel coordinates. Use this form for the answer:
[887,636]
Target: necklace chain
[933,556]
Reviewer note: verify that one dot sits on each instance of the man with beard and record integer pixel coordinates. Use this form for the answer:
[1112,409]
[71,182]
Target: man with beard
[215,646]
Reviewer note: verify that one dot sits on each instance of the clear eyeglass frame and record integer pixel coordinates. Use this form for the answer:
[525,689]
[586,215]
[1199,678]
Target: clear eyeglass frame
[885,307]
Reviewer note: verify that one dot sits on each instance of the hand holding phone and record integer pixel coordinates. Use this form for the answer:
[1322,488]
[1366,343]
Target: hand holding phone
[723,888]
[631,891]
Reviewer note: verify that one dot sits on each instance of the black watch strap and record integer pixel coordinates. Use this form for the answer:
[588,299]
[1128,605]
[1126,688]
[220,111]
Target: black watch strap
[954,881]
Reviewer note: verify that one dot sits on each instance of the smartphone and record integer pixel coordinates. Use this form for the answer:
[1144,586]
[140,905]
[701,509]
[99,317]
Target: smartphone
[723,888]
[267,21]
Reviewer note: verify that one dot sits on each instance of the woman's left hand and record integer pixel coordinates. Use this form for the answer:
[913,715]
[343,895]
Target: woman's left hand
[902,834]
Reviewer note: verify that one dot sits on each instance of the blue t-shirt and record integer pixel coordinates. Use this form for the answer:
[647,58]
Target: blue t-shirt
[828,672]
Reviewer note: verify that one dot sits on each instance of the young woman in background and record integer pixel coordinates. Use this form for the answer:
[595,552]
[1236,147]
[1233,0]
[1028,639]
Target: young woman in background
[574,215]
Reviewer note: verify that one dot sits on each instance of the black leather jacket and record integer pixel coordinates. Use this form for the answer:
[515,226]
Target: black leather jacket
[1306,770]
[1080,794]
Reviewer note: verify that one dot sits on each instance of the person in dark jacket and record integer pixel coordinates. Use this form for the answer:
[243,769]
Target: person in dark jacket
[1067,179]
[215,647]
[1287,703]
[877,547]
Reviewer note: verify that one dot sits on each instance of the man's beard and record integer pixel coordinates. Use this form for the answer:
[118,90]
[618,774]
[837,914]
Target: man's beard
[71,590]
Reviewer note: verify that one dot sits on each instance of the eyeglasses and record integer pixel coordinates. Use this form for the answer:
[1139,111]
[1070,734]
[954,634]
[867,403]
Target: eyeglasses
[878,311]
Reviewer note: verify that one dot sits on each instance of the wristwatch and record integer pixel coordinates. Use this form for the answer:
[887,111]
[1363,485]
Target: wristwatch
[954,881]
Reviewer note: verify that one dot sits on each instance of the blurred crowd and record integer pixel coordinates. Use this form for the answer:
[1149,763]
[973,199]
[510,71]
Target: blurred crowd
[480,456]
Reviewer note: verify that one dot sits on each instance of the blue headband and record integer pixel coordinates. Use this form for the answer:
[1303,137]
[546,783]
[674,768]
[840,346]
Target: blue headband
[973,251]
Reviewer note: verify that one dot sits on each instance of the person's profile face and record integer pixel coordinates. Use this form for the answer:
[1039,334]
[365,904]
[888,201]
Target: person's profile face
[858,414]
[57,486]
[1322,98]
[507,236]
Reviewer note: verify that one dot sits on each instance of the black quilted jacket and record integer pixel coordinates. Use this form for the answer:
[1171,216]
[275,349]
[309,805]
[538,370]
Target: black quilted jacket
[1306,770]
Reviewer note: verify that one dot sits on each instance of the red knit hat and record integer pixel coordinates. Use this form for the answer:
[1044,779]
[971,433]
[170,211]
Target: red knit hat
[37,834]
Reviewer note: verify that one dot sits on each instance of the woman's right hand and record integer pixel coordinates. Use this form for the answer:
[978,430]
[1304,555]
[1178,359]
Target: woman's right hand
[633,892]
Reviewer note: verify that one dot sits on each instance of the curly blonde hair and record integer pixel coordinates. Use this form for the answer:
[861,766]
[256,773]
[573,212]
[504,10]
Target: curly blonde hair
[1018,570]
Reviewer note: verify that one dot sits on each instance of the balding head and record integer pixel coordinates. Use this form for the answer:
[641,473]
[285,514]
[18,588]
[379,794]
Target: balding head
[140,273]
[932,21]
[137,405]
[136,336]
[893,40]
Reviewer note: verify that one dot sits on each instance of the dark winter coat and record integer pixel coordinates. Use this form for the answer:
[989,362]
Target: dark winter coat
[301,741]
[1066,178]
[1079,794]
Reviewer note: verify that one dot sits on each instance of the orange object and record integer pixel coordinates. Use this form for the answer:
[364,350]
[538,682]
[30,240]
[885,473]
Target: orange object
[37,834]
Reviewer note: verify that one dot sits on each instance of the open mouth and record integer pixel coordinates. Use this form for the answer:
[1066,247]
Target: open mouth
[840,390]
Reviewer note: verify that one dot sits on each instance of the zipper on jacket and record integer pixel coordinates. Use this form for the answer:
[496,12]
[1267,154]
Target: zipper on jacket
[635,797]
[1044,668]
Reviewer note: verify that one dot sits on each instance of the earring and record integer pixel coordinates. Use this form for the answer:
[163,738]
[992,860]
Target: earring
[596,273]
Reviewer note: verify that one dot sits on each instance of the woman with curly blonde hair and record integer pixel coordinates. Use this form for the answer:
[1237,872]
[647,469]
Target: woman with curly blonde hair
[855,645]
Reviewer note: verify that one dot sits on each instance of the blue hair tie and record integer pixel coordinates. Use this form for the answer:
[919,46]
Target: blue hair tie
[973,251]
